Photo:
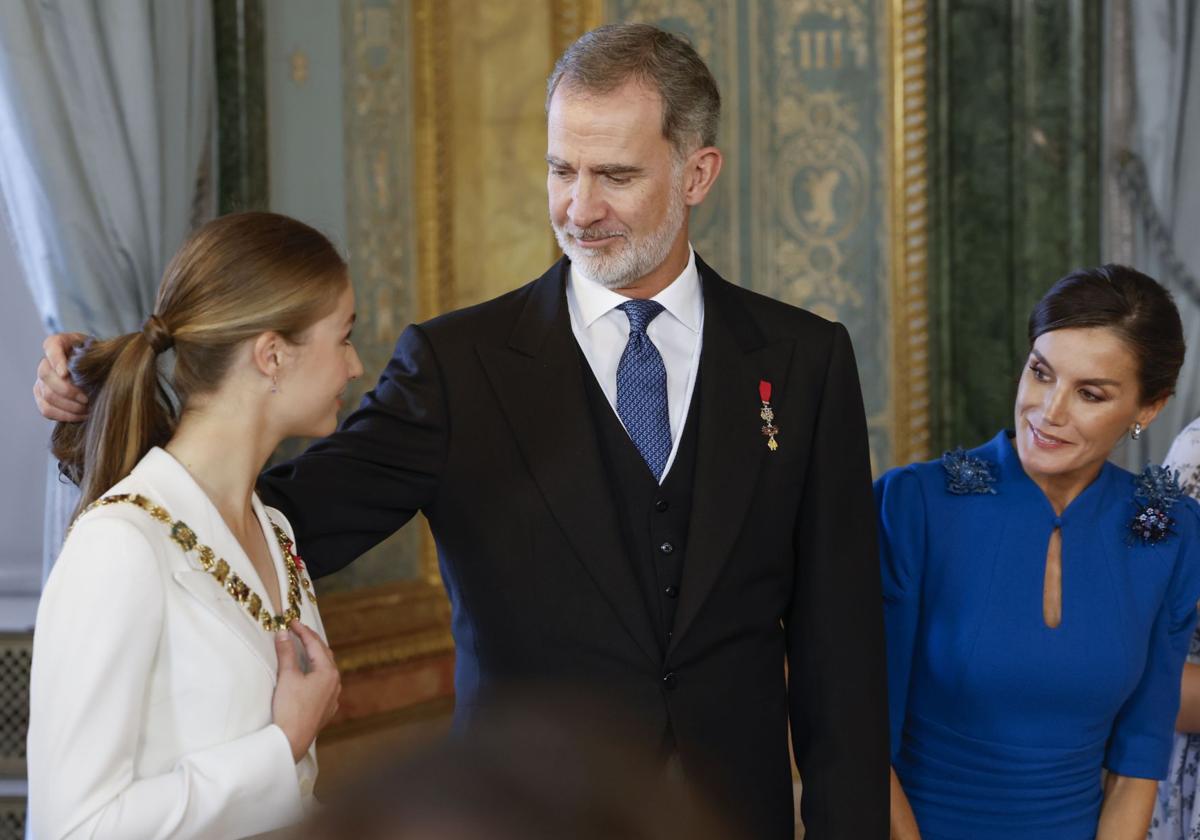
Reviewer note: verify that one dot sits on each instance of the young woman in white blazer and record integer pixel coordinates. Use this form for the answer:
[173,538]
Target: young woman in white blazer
[168,697]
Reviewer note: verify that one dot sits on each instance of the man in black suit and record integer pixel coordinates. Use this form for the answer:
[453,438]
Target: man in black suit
[644,482]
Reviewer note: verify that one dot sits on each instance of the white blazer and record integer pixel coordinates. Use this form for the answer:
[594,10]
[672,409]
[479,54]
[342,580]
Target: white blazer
[151,688]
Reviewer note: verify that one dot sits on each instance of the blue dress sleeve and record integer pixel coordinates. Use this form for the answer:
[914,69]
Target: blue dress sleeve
[1143,733]
[900,502]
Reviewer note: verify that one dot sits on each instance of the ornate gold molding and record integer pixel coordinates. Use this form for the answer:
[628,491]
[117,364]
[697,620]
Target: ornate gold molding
[909,221]
[433,155]
[432,63]
[388,625]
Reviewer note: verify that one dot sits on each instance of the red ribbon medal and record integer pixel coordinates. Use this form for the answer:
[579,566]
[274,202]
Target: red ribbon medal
[767,414]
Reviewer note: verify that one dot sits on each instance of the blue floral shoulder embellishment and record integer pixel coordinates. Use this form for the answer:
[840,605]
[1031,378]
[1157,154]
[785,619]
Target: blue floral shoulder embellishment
[1155,492]
[966,474]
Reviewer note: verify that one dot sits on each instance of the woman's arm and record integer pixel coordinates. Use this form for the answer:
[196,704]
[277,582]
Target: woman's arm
[96,641]
[901,508]
[904,822]
[1128,806]
[1189,700]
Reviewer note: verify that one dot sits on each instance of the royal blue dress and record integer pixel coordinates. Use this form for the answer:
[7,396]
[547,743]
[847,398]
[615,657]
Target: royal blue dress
[1000,725]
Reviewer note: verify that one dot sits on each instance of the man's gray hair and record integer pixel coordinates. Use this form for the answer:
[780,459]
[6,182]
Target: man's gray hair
[609,56]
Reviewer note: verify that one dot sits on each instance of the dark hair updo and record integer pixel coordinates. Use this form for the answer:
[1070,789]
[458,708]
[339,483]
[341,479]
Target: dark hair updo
[1131,304]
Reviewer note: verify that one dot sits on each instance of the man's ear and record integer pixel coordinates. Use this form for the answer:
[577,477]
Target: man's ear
[700,172]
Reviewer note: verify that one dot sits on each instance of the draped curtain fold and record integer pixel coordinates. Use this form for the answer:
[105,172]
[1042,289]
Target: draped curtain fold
[1163,179]
[107,123]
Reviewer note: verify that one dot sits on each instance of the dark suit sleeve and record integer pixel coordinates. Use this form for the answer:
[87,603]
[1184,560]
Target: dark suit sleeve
[836,665]
[353,489]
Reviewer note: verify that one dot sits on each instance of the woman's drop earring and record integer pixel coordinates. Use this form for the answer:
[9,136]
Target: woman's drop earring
[274,385]
[1137,431]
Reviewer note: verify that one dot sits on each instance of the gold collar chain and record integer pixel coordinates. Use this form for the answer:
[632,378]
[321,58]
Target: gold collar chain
[231,582]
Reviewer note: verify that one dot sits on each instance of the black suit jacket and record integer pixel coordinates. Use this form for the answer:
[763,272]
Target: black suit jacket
[481,421]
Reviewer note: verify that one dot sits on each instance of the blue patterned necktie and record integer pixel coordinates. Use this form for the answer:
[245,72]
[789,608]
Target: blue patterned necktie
[642,388]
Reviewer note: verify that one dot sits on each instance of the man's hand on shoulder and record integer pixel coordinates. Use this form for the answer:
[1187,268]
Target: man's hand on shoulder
[56,395]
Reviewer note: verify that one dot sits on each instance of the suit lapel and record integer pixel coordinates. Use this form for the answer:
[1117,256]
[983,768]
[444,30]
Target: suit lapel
[268,519]
[538,380]
[175,489]
[730,449]
[221,605]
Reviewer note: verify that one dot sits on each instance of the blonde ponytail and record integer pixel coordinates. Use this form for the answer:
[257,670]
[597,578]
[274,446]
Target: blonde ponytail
[129,412]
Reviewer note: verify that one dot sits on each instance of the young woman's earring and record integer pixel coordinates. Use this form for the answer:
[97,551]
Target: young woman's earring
[274,385]
[1137,431]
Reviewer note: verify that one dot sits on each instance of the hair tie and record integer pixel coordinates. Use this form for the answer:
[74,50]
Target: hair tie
[157,334]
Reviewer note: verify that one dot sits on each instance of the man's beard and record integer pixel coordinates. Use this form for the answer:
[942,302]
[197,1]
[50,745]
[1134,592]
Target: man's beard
[620,265]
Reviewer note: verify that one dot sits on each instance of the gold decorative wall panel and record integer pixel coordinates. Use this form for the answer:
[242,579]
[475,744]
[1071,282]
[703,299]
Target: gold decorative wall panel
[498,126]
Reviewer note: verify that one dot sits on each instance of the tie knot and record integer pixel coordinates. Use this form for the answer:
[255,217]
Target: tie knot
[640,313]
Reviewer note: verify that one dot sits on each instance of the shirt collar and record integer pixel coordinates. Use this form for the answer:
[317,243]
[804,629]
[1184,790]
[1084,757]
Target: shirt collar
[681,297]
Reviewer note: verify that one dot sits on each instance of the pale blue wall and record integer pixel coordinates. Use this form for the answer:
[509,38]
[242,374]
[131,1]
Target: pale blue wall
[305,155]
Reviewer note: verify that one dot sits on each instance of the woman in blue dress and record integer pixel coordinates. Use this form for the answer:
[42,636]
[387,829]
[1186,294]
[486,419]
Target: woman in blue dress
[1039,599]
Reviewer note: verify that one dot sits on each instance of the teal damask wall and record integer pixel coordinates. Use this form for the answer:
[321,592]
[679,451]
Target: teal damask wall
[801,209]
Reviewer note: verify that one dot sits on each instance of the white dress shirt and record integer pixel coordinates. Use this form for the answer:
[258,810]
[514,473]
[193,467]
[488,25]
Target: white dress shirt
[151,687]
[602,332]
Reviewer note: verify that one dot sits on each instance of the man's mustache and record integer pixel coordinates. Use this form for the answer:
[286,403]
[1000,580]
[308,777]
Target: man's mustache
[591,234]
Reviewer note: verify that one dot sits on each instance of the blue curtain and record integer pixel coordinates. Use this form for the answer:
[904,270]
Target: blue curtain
[107,121]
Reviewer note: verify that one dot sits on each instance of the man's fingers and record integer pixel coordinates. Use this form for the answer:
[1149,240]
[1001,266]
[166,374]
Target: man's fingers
[45,394]
[58,350]
[50,411]
[61,386]
[285,652]
[50,399]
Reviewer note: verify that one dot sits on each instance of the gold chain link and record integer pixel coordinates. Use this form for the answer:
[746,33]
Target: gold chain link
[231,582]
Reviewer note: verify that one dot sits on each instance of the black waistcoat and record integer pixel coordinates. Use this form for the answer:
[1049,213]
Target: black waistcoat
[654,518]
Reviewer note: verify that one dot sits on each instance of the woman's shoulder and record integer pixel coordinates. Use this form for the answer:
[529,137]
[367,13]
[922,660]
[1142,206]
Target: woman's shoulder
[112,551]
[116,510]
[957,472]
[910,475]
[1157,488]
[1187,518]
